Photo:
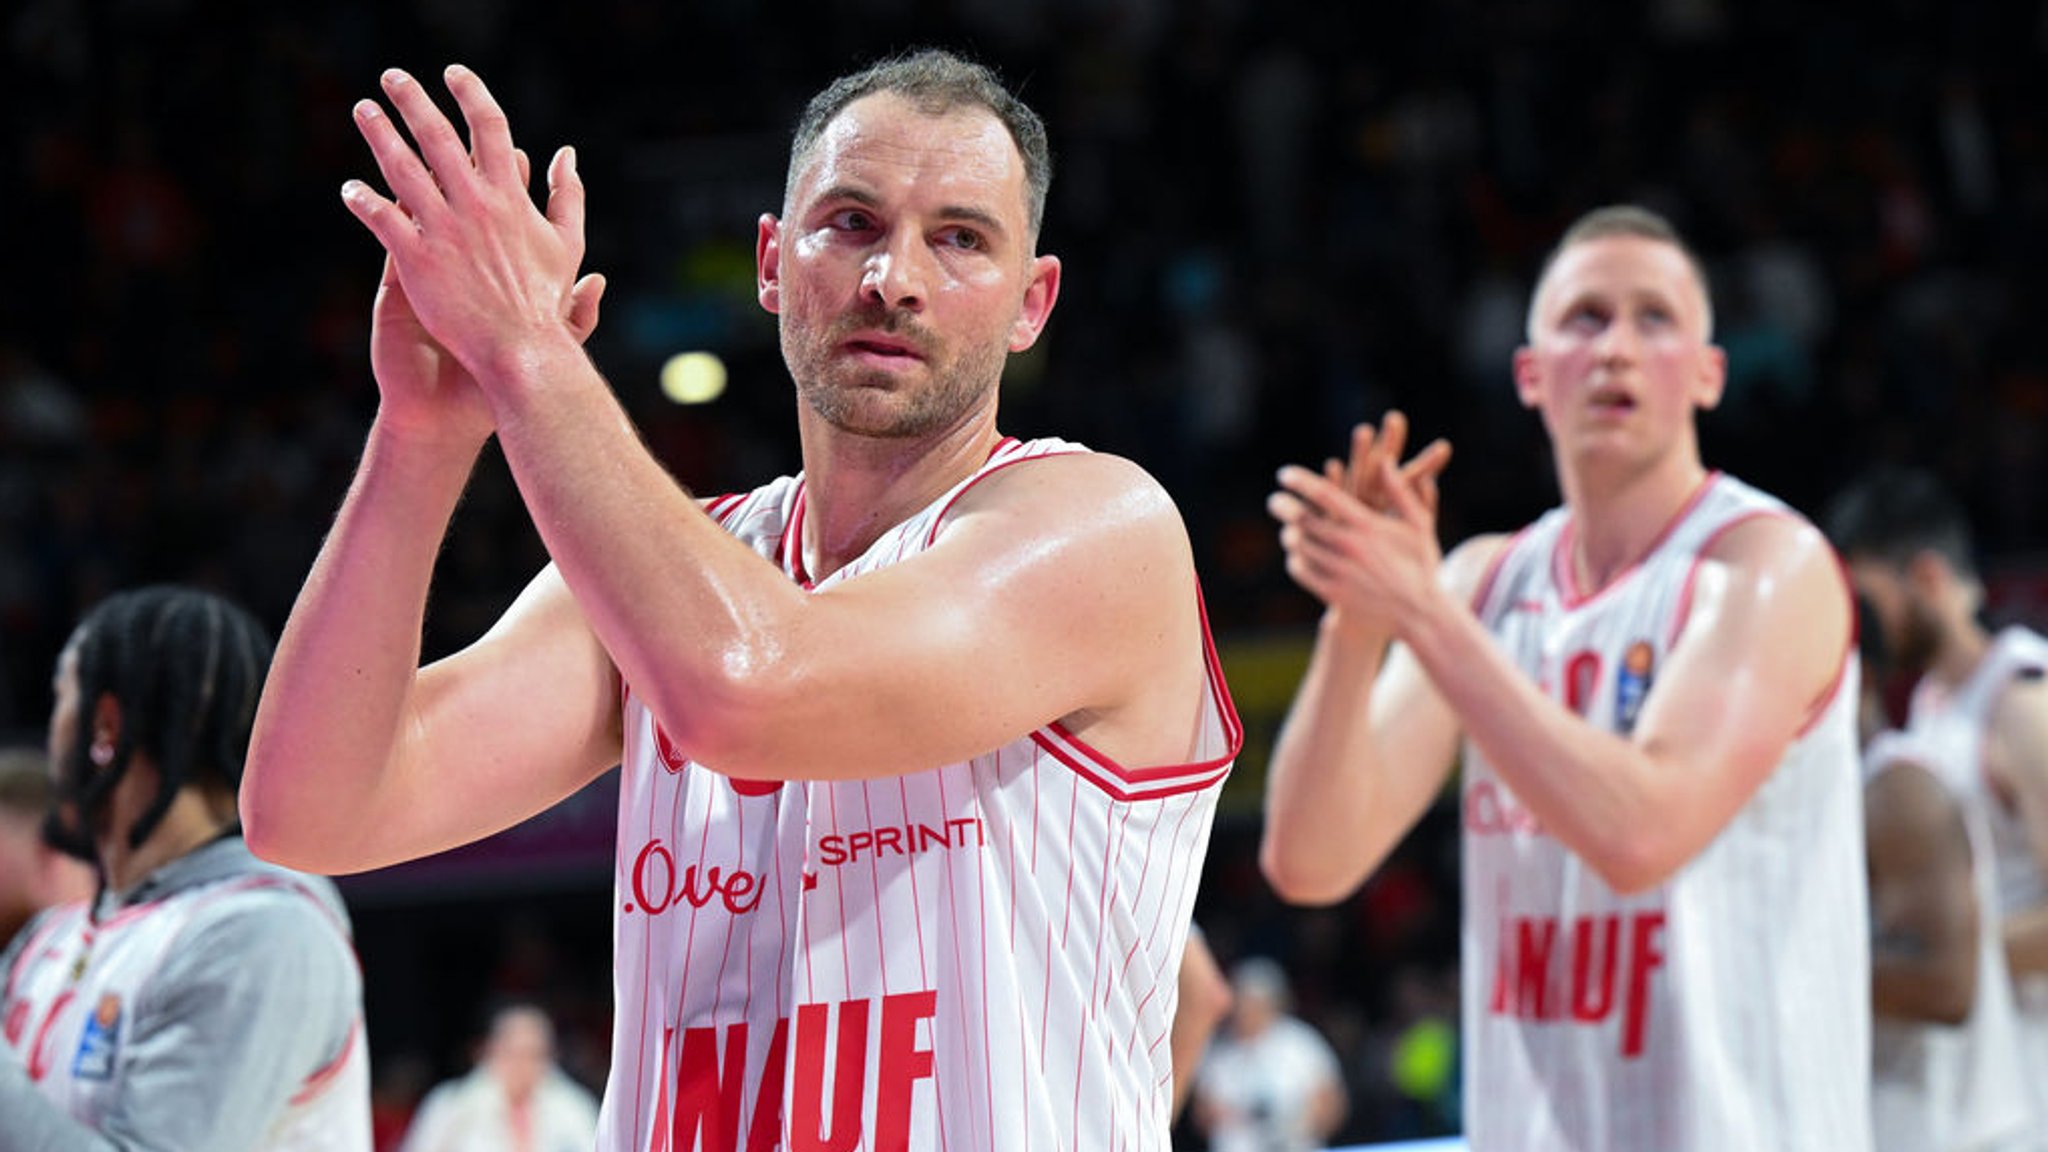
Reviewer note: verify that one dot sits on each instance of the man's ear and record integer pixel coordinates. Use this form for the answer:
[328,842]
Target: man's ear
[1040,294]
[1528,377]
[768,262]
[1713,378]
[1928,571]
[106,730]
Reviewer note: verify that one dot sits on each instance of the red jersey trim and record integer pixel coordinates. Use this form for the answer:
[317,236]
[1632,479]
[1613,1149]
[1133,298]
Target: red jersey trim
[720,507]
[988,470]
[1683,611]
[1566,578]
[1494,565]
[1129,784]
[325,1075]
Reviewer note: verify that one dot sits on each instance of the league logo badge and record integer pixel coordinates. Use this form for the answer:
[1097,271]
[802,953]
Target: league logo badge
[102,1039]
[1632,684]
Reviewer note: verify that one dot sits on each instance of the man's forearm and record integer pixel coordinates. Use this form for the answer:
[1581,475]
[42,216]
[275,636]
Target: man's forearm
[677,601]
[1321,794]
[333,705]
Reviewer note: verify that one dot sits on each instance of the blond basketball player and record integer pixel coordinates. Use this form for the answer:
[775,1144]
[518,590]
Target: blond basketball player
[1979,697]
[921,746]
[1664,915]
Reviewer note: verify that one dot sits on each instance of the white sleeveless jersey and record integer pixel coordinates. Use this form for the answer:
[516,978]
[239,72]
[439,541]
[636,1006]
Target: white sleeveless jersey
[1728,1008]
[77,988]
[707,879]
[984,955]
[1956,722]
[1952,1088]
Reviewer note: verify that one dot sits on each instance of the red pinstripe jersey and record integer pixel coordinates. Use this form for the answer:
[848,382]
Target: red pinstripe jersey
[1729,1006]
[978,956]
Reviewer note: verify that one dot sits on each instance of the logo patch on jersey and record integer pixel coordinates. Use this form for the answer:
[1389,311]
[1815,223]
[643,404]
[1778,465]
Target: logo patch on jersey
[672,758]
[1631,684]
[102,1039]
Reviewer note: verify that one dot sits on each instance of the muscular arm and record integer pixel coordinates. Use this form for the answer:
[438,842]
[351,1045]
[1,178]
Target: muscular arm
[1922,901]
[2018,759]
[1058,588]
[1367,744]
[1762,647]
[359,757]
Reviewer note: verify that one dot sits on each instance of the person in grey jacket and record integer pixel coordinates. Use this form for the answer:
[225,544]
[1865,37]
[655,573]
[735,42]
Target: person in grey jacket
[204,999]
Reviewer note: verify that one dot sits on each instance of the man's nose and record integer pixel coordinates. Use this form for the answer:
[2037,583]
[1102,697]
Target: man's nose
[896,272]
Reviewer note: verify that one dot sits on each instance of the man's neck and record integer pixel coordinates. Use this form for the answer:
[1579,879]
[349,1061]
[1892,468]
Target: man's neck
[1617,520]
[858,487]
[189,824]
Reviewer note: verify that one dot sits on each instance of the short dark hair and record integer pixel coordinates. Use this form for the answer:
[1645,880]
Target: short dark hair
[1624,220]
[186,667]
[1894,513]
[936,81]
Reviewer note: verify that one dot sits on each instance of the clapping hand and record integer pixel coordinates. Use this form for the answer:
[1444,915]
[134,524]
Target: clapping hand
[473,269]
[1361,535]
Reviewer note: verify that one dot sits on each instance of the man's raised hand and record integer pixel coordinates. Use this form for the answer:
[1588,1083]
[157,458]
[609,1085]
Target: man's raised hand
[482,269]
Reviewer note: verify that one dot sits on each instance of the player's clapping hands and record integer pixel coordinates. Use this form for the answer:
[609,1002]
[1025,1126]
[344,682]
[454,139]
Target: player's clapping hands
[476,271]
[1361,535]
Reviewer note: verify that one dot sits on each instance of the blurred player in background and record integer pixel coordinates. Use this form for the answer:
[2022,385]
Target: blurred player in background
[205,999]
[1978,708]
[1665,934]
[1271,1082]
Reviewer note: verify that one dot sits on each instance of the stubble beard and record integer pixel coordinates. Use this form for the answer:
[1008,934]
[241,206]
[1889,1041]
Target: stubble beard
[871,403]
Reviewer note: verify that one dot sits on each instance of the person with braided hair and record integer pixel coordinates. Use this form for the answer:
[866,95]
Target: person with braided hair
[204,998]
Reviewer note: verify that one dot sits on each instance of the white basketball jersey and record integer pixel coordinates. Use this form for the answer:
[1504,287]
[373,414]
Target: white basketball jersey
[74,992]
[1955,722]
[1728,1008]
[1952,1088]
[984,955]
[707,879]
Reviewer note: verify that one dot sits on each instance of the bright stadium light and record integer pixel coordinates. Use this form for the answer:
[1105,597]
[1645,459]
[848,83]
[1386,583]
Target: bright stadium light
[693,377]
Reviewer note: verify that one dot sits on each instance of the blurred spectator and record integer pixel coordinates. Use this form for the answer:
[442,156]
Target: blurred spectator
[1271,1082]
[515,1100]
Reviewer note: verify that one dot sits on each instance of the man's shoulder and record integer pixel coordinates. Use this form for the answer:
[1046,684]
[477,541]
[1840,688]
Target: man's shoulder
[1470,568]
[1070,483]
[249,906]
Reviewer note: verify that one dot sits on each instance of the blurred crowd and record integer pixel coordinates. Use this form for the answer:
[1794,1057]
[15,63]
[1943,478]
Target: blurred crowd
[1276,218]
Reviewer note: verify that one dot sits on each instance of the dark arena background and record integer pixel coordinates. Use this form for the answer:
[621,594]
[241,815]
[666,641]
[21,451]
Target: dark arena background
[1277,218]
